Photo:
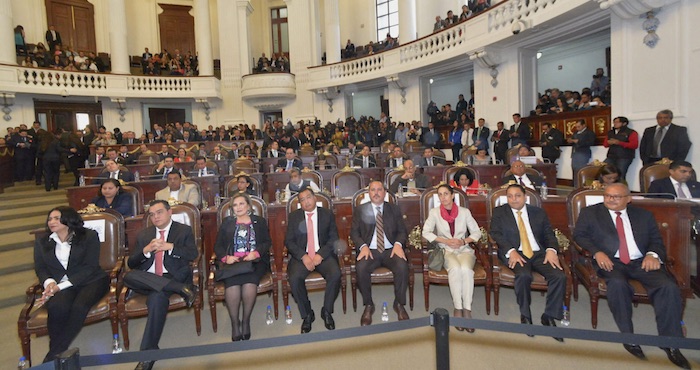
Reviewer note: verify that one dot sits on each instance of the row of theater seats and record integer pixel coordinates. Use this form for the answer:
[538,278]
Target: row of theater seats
[489,271]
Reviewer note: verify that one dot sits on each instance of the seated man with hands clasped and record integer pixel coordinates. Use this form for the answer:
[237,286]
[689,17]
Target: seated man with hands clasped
[380,235]
[626,244]
[411,181]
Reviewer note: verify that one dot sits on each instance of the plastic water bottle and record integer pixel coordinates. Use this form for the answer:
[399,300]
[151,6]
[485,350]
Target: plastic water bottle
[268,316]
[278,196]
[543,190]
[137,176]
[150,160]
[272,168]
[116,347]
[81,180]
[400,191]
[337,191]
[230,169]
[288,315]
[217,201]
[23,363]
[87,164]
[385,313]
[565,318]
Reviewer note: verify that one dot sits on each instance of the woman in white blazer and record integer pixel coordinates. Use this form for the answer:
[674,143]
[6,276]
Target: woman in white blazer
[452,228]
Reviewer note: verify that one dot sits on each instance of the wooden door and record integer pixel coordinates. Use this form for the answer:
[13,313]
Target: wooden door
[162,116]
[176,29]
[75,21]
[63,115]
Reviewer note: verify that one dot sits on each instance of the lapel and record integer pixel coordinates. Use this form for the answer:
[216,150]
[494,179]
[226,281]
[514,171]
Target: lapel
[607,223]
[50,255]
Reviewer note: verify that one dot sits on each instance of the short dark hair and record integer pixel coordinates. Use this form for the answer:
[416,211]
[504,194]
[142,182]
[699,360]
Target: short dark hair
[159,201]
[516,114]
[677,164]
[522,188]
[200,158]
[466,172]
[622,119]
[169,156]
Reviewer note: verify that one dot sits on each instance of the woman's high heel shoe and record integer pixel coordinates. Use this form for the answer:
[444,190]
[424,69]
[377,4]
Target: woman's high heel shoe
[458,313]
[468,314]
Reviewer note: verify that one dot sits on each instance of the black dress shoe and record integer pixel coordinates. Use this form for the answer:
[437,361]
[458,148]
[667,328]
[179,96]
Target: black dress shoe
[527,321]
[635,350]
[366,318]
[675,355]
[327,319]
[188,294]
[237,338]
[400,311]
[306,325]
[145,365]
[548,321]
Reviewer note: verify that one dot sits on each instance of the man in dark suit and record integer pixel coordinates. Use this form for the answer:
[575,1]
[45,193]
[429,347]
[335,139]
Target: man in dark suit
[113,172]
[500,139]
[397,157]
[519,131]
[665,140]
[550,141]
[411,181]
[126,158]
[23,145]
[160,267]
[581,143]
[365,159]
[379,234]
[217,155]
[519,176]
[430,160]
[311,240]
[273,152]
[480,135]
[526,243]
[200,168]
[289,161]
[626,244]
[679,183]
[53,38]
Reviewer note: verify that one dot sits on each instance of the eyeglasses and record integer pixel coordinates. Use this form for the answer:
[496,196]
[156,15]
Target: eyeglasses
[614,197]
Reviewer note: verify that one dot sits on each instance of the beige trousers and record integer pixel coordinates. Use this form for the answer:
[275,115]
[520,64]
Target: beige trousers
[459,264]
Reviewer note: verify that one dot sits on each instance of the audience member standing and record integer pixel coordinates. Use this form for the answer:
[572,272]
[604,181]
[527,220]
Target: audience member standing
[581,143]
[519,131]
[665,140]
[550,141]
[500,139]
[621,142]
[53,38]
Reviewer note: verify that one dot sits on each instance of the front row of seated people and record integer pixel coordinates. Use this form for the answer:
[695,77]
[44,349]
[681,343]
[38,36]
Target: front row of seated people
[624,240]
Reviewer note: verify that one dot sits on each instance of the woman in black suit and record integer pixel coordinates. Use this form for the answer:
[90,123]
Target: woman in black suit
[67,263]
[110,196]
[243,237]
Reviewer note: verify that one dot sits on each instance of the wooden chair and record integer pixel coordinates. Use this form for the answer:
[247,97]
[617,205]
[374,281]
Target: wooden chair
[121,168]
[199,188]
[450,172]
[314,176]
[653,172]
[512,152]
[384,147]
[148,158]
[392,175]
[135,306]
[413,146]
[34,320]
[346,183]
[232,186]
[583,268]
[331,159]
[307,149]
[136,198]
[245,165]
[268,283]
[314,281]
[502,275]
[482,268]
[380,275]
[210,165]
[586,175]
[467,153]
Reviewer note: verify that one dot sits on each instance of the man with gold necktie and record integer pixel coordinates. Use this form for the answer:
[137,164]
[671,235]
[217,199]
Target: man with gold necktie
[526,243]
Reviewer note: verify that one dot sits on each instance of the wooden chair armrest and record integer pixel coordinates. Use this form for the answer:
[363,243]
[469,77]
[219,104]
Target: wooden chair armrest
[671,268]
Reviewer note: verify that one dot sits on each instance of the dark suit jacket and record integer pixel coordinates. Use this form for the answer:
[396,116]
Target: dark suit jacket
[282,163]
[364,223]
[585,140]
[674,146]
[177,263]
[327,232]
[596,232]
[422,182]
[523,131]
[392,160]
[554,140]
[436,160]
[130,159]
[268,154]
[51,41]
[484,137]
[123,175]
[93,159]
[534,179]
[262,237]
[358,160]
[504,230]
[122,203]
[666,186]
[83,263]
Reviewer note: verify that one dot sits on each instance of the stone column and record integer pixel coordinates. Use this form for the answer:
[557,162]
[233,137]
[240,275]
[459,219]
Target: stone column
[407,21]
[117,37]
[244,10]
[332,29]
[8,54]
[202,36]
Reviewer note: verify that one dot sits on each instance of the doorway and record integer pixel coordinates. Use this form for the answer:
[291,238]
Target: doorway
[75,21]
[176,29]
[163,116]
[271,116]
[68,116]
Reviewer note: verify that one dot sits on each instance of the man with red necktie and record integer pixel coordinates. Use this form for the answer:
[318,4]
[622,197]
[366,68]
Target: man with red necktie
[626,244]
[159,268]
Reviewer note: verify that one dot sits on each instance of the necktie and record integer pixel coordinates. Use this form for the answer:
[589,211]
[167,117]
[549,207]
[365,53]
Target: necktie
[430,161]
[520,180]
[201,173]
[365,162]
[624,252]
[310,235]
[218,157]
[99,159]
[380,231]
[478,134]
[289,165]
[657,141]
[527,248]
[680,192]
[165,173]
[159,256]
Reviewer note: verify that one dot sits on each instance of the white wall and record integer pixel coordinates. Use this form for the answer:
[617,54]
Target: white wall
[367,103]
[426,10]
[358,21]
[445,89]
[578,61]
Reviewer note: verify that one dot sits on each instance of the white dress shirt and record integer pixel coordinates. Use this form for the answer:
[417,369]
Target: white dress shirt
[152,269]
[314,221]
[62,254]
[632,247]
[684,187]
[530,235]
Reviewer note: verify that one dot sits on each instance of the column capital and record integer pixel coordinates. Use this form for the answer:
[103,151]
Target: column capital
[247,5]
[633,8]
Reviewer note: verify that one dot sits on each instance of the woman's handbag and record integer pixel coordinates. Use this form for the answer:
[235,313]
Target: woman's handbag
[436,259]
[226,271]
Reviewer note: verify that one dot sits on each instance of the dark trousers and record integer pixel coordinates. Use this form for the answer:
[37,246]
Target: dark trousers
[158,289]
[578,161]
[622,163]
[500,151]
[398,267]
[663,293]
[24,166]
[556,285]
[456,148]
[67,312]
[52,170]
[38,170]
[329,269]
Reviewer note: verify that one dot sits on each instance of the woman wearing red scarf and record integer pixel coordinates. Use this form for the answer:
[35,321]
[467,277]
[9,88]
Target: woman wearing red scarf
[452,228]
